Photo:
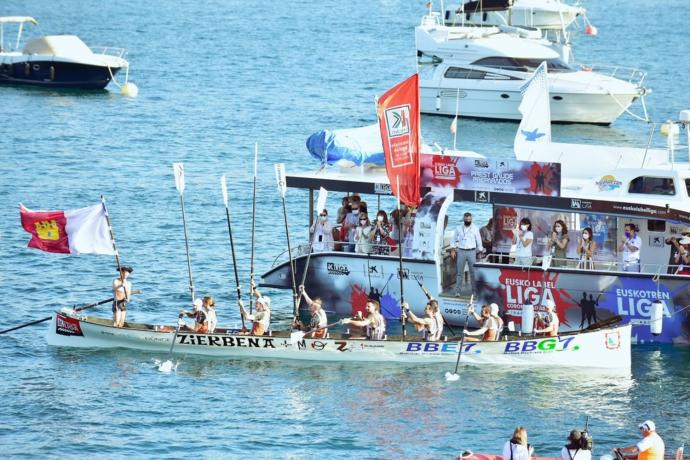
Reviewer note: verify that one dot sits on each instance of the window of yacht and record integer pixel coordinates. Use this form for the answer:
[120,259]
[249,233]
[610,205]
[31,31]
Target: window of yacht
[652,185]
[656,225]
[687,186]
[554,65]
[467,74]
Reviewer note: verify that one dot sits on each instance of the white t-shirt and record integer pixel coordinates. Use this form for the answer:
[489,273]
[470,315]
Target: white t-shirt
[522,251]
[648,442]
[519,452]
[578,454]
[632,256]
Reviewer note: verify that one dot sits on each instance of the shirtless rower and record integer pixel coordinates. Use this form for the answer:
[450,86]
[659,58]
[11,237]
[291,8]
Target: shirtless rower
[317,326]
[489,326]
[431,325]
[374,322]
[122,292]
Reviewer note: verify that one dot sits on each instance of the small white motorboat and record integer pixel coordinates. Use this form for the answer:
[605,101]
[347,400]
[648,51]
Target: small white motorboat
[606,347]
[58,61]
[479,71]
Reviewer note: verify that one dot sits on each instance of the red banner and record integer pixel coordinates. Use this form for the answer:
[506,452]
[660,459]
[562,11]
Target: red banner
[398,114]
[47,230]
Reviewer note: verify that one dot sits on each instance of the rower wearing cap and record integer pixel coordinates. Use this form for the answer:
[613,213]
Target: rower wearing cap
[493,308]
[122,291]
[651,447]
[551,320]
[200,317]
[261,320]
[431,325]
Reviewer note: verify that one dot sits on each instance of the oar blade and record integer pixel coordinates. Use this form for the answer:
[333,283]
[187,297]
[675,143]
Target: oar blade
[280,179]
[178,170]
[224,189]
[321,201]
[296,336]
[452,377]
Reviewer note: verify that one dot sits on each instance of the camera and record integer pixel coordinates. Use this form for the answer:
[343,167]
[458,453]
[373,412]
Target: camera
[586,442]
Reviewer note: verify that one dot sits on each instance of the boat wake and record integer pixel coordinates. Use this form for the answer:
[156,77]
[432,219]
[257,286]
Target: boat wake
[166,366]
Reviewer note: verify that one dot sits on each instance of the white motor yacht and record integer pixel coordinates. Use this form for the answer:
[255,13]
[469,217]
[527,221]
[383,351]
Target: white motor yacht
[62,61]
[542,14]
[480,71]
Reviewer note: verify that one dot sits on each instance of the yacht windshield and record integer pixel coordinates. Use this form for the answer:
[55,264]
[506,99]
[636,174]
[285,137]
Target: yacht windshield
[554,65]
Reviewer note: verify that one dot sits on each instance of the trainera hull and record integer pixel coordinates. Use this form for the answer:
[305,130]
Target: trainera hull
[606,348]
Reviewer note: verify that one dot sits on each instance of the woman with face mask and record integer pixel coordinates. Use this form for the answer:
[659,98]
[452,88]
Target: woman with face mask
[522,238]
[380,233]
[585,249]
[322,233]
[362,235]
[558,243]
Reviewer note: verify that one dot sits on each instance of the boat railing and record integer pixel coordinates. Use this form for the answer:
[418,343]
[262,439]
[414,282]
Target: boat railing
[110,51]
[538,263]
[630,74]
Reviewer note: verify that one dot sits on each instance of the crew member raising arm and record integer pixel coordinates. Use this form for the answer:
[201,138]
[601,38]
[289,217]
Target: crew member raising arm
[431,326]
[317,326]
[374,322]
[489,325]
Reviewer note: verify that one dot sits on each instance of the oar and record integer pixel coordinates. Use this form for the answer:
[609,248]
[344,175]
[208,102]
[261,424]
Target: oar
[251,264]
[42,320]
[282,189]
[224,188]
[400,260]
[178,170]
[454,376]
[320,206]
[167,365]
[296,336]
[429,297]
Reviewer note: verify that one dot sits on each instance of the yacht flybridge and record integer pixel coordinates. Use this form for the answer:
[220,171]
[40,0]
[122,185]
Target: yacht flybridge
[54,60]
[479,72]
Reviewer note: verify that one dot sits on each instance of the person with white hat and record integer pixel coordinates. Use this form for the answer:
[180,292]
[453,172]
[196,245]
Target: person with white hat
[651,447]
[681,257]
[200,317]
[261,319]
[499,321]
[551,320]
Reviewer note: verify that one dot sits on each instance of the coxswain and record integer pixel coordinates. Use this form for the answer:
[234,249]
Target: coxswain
[431,325]
[374,323]
[122,292]
[651,447]
[317,326]
[200,317]
[209,305]
[551,321]
[488,325]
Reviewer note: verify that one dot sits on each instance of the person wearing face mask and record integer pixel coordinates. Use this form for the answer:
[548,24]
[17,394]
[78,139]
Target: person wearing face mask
[363,235]
[322,233]
[380,234]
[522,238]
[466,244]
[585,249]
[350,224]
[558,243]
[630,247]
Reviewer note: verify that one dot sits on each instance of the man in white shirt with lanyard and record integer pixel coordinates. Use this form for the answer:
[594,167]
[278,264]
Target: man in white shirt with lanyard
[630,245]
[467,242]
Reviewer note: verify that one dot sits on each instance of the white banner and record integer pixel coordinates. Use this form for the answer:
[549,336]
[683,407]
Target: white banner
[321,201]
[280,179]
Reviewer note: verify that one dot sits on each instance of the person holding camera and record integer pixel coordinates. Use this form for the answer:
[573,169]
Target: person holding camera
[578,447]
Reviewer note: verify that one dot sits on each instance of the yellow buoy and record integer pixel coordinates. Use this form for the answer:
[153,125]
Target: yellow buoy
[664,129]
[129,90]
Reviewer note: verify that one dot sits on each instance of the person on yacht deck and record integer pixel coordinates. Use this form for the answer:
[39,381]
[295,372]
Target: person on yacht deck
[431,325]
[374,323]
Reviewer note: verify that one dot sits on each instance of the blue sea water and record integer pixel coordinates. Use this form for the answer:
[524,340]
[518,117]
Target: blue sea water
[215,77]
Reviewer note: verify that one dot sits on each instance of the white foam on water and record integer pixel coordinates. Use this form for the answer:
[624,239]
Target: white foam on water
[166,366]
[452,377]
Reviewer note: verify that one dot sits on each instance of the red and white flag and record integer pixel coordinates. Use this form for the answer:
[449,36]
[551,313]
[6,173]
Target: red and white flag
[78,231]
[398,114]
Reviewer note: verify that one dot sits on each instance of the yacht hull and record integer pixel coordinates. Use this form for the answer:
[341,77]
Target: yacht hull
[56,74]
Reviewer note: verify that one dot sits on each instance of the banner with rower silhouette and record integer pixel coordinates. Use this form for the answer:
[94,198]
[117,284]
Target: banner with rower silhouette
[491,175]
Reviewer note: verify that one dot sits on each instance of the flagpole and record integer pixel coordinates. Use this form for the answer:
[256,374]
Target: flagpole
[400,258]
[282,188]
[224,189]
[112,235]
[457,105]
[251,264]
[178,169]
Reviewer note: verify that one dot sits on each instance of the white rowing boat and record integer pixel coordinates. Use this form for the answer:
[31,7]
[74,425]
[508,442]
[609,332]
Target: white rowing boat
[602,348]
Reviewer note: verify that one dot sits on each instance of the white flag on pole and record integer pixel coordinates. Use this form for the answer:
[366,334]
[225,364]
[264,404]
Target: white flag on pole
[178,170]
[321,200]
[280,179]
[536,113]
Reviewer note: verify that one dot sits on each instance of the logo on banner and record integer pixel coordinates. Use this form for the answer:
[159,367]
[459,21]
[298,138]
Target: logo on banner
[481,197]
[337,269]
[382,189]
[445,171]
[580,204]
[481,164]
[398,121]
[67,326]
[608,183]
[613,340]
[48,230]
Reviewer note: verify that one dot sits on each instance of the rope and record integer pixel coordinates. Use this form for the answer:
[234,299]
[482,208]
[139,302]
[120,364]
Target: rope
[625,109]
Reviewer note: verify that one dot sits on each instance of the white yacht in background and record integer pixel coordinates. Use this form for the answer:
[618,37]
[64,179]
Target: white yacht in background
[542,14]
[481,70]
[56,61]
